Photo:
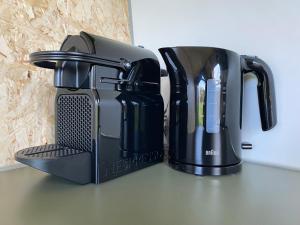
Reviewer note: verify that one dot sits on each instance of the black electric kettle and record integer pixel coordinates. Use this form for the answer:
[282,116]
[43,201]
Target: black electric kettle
[206,107]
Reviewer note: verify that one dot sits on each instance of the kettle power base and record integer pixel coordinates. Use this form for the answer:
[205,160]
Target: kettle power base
[205,170]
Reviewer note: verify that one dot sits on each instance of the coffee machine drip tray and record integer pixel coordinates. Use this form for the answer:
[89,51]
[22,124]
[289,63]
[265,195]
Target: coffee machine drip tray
[62,161]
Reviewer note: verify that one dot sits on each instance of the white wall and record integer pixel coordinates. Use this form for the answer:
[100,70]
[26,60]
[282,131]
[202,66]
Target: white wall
[269,29]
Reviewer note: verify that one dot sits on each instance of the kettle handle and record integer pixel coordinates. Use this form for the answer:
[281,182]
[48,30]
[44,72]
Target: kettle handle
[265,88]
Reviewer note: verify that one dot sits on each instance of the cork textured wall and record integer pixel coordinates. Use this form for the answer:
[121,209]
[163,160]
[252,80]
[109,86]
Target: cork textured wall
[26,92]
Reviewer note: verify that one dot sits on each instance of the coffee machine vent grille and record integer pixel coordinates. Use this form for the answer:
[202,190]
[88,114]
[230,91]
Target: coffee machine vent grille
[74,121]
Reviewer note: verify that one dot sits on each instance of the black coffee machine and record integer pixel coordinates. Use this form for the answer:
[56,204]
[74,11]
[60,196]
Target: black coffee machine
[206,107]
[108,110]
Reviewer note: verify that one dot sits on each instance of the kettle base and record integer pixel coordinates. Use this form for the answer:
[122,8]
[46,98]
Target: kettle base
[206,170]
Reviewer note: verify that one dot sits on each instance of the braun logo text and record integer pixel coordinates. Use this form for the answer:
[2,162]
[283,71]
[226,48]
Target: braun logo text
[211,152]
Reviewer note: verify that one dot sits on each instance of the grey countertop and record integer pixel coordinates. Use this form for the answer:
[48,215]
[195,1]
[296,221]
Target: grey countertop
[157,195]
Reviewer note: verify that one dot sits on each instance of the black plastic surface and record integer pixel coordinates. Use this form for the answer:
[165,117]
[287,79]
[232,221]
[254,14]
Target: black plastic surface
[265,89]
[74,119]
[49,59]
[108,108]
[69,163]
[206,105]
